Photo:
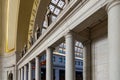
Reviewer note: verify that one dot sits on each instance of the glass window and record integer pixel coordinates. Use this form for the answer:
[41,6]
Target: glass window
[76,49]
[54,10]
[77,43]
[81,55]
[60,50]
[55,1]
[64,45]
[57,11]
[60,59]
[78,62]
[61,45]
[79,50]
[80,45]
[53,58]
[64,59]
[61,4]
[63,52]
[81,63]
[42,58]
[51,7]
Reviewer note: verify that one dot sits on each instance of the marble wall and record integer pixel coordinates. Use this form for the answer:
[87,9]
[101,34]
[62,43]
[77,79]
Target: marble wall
[7,65]
[100,58]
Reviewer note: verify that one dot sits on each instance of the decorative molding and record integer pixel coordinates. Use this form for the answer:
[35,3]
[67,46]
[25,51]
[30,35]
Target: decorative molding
[112,4]
[68,34]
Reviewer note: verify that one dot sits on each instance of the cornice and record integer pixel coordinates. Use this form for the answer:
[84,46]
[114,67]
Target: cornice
[112,4]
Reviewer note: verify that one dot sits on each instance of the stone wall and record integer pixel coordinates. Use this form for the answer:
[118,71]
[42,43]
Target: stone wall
[100,58]
[7,65]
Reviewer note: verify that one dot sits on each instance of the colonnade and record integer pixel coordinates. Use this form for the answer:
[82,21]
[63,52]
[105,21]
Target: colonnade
[70,65]
[114,55]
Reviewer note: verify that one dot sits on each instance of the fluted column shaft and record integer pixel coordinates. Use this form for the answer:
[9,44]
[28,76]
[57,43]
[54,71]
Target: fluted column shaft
[30,71]
[70,57]
[19,75]
[49,64]
[22,74]
[114,39]
[25,72]
[87,61]
[37,68]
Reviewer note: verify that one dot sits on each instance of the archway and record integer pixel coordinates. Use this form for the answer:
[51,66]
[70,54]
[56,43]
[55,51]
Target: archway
[10,76]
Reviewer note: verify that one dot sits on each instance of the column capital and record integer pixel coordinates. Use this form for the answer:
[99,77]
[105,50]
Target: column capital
[51,48]
[111,4]
[68,34]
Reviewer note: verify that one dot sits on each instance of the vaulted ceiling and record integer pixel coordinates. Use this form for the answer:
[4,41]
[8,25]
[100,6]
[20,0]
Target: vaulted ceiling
[15,17]
[14,23]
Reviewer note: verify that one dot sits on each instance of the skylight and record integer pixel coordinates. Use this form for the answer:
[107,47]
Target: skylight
[54,9]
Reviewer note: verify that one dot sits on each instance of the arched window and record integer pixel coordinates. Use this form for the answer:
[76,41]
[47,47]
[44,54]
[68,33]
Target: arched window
[53,10]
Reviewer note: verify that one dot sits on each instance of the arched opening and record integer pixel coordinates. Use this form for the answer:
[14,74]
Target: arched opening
[10,76]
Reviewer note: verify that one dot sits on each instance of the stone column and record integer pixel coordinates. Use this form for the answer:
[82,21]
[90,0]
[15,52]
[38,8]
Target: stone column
[87,61]
[30,71]
[25,72]
[49,64]
[70,57]
[37,68]
[21,73]
[114,39]
[66,1]
[57,74]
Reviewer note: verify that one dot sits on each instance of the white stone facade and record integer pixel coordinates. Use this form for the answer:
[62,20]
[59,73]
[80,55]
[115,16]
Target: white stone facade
[93,22]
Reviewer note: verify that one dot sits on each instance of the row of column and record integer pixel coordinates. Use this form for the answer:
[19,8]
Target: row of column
[114,56]
[114,41]
[70,65]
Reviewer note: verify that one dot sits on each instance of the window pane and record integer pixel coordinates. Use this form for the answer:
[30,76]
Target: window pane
[79,50]
[51,7]
[78,62]
[81,63]
[54,1]
[57,11]
[60,59]
[80,45]
[75,49]
[54,58]
[64,45]
[61,4]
